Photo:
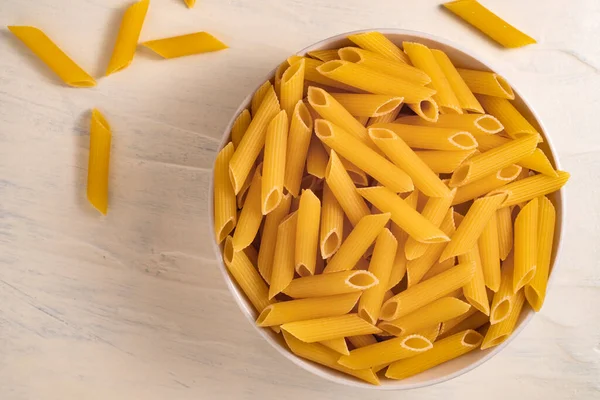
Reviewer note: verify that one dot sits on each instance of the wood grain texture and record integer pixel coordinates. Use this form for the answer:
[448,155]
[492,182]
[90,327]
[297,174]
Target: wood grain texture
[132,305]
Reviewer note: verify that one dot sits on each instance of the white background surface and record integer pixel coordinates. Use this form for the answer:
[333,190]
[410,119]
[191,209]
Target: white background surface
[132,305]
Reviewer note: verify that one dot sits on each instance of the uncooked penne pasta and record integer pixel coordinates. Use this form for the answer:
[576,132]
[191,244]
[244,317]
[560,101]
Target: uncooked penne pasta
[389,117]
[185,45]
[359,240]
[476,124]
[470,229]
[538,161]
[316,159]
[357,175]
[373,81]
[444,350]
[128,37]
[98,167]
[51,55]
[324,55]
[529,188]
[241,196]
[425,137]
[338,345]
[416,225]
[422,58]
[463,93]
[190,3]
[489,23]
[320,354]
[332,224]
[438,268]
[444,162]
[491,161]
[361,155]
[535,290]
[381,266]
[362,340]
[432,314]
[514,123]
[427,109]
[405,158]
[473,322]
[399,266]
[499,332]
[450,324]
[526,241]
[380,63]
[281,269]
[292,87]
[488,83]
[304,309]
[505,232]
[367,105]
[331,284]
[485,185]
[475,290]
[253,141]
[274,163]
[383,353]
[258,96]
[278,75]
[427,291]
[316,330]
[344,190]
[489,252]
[269,236]
[312,74]
[240,126]
[503,299]
[378,43]
[251,215]
[307,233]
[297,147]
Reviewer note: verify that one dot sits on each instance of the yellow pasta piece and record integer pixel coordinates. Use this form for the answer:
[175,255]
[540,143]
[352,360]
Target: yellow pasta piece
[51,55]
[312,74]
[435,210]
[324,55]
[489,252]
[280,270]
[361,155]
[425,137]
[474,322]
[367,105]
[444,162]
[383,353]
[538,161]
[331,284]
[253,141]
[274,163]
[338,345]
[526,241]
[269,235]
[239,128]
[307,233]
[251,216]
[225,210]
[373,81]
[292,87]
[297,147]
[399,266]
[185,45]
[416,225]
[442,351]
[405,158]
[437,269]
[427,291]
[98,165]
[380,63]
[127,39]
[359,240]
[505,232]
[461,90]
[332,224]
[488,83]
[357,175]
[316,330]
[378,43]
[305,309]
[532,187]
[320,354]
[422,58]
[250,252]
[489,23]
[380,266]
[316,159]
[344,190]
[535,290]
[259,96]
[489,162]
[432,314]
[476,124]
[475,291]
[514,123]
[503,299]
[500,331]
[363,120]
[427,109]
[362,340]
[278,75]
[485,185]
[450,324]
[241,196]
[246,275]
[190,3]
[470,229]
[389,117]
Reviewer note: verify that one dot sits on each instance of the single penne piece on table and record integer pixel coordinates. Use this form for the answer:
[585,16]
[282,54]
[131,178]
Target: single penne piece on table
[378,43]
[316,330]
[240,126]
[476,124]
[282,268]
[475,291]
[488,83]
[307,233]
[330,284]
[424,137]
[250,217]
[128,36]
[526,241]
[500,331]
[185,45]
[530,188]
[367,105]
[98,167]
[297,147]
[443,161]
[269,235]
[274,163]
[489,251]
[485,185]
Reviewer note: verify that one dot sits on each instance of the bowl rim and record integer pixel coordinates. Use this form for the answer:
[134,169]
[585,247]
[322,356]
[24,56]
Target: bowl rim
[334,376]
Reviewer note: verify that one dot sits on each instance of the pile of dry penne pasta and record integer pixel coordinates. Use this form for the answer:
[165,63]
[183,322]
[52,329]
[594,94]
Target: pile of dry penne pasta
[384,210]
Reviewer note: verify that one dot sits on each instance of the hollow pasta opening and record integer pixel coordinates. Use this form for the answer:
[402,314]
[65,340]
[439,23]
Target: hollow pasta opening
[392,329]
[317,97]
[509,173]
[426,109]
[505,86]
[304,115]
[330,244]
[489,124]
[350,54]
[526,279]
[323,128]
[364,314]
[358,179]
[228,251]
[388,310]
[330,66]
[417,343]
[381,133]
[463,140]
[362,280]
[272,201]
[460,175]
[302,270]
[472,338]
[264,315]
[533,297]
[388,106]
[290,72]
[501,311]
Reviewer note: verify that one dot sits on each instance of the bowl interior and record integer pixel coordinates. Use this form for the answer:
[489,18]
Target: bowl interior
[461,58]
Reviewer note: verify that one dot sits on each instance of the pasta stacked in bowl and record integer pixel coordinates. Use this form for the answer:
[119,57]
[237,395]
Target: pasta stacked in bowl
[387,208]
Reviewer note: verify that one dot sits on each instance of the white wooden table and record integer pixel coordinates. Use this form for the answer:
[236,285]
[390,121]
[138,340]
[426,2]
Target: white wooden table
[132,305]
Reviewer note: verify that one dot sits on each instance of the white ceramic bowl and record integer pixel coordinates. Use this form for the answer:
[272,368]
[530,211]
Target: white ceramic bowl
[463,364]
